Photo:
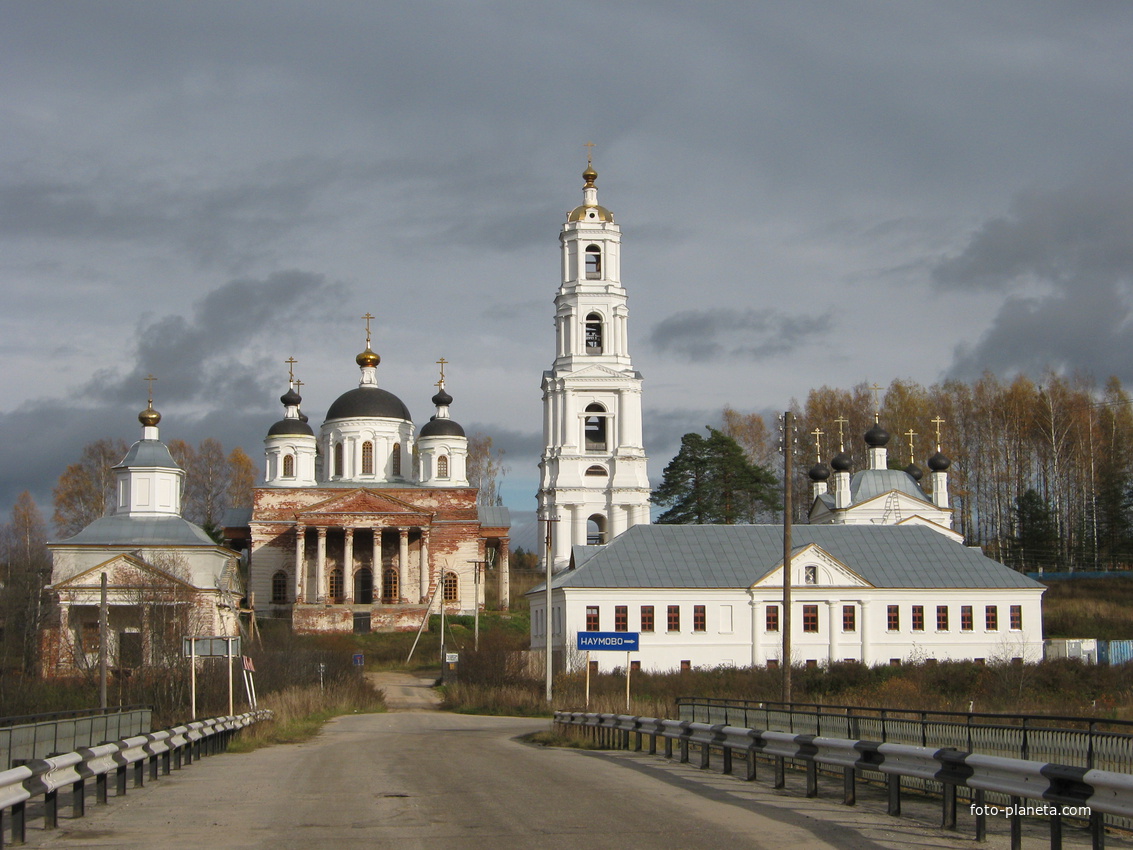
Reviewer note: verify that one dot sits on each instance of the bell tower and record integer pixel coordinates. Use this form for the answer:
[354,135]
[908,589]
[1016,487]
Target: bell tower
[593,480]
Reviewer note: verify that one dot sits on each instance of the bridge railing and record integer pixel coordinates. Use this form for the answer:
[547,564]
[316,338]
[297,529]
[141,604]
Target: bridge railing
[1078,741]
[161,752]
[1058,790]
[38,736]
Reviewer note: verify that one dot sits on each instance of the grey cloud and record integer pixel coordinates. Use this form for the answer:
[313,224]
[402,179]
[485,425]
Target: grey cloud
[208,358]
[1060,237]
[747,334]
[1078,243]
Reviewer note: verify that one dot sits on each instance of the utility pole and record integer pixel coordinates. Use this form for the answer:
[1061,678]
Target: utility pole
[788,452]
[549,618]
[103,629]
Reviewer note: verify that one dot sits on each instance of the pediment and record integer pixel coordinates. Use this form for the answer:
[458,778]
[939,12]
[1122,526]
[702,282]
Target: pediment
[904,500]
[123,571]
[362,501]
[828,571]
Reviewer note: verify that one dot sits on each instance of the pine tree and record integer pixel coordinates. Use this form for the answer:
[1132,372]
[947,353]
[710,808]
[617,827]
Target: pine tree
[711,481]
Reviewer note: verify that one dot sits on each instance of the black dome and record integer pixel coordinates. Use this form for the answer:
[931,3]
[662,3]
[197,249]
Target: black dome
[290,426]
[366,402]
[939,462]
[437,427]
[914,471]
[840,462]
[819,472]
[876,437]
[291,398]
[442,398]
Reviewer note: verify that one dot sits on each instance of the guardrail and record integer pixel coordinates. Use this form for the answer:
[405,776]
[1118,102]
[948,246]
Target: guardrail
[1087,742]
[1063,790]
[38,736]
[161,752]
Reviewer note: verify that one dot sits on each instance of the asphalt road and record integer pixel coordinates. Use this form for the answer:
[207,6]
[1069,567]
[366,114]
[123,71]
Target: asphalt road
[423,778]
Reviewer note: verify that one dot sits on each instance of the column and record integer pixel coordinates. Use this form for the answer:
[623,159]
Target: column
[376,564]
[424,571]
[348,565]
[300,561]
[571,427]
[757,659]
[864,625]
[618,520]
[505,573]
[577,528]
[402,563]
[835,630]
[321,567]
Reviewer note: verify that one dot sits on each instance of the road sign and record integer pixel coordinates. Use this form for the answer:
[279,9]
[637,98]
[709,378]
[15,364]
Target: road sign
[610,641]
[211,647]
[359,659]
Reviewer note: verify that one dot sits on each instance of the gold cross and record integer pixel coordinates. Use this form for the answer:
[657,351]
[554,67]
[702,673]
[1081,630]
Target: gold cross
[441,363]
[368,319]
[589,150]
[149,379]
[818,432]
[876,402]
[841,420]
[298,384]
[291,361]
[937,422]
[910,434]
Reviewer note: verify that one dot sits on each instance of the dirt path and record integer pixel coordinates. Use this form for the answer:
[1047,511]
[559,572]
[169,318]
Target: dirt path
[407,691]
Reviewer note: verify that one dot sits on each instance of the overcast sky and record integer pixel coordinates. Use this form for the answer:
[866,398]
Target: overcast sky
[810,193]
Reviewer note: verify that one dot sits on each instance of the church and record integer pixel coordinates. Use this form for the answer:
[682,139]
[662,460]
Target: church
[370,523]
[166,578]
[881,576]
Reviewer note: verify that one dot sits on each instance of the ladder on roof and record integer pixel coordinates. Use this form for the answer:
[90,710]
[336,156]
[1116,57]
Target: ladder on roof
[892,507]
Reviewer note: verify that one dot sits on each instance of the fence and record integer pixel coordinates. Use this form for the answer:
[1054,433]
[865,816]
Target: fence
[1086,742]
[1063,790]
[42,735]
[169,749]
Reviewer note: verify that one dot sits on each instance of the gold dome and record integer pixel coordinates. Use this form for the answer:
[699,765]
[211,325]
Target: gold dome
[149,417]
[368,358]
[589,175]
[590,212]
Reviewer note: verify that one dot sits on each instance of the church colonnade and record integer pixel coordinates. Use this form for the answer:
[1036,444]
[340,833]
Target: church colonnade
[342,562]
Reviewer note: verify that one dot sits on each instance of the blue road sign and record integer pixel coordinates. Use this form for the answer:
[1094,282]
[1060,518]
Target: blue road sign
[619,641]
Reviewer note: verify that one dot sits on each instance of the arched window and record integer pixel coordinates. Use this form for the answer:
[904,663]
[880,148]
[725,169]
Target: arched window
[442,466]
[597,471]
[279,588]
[367,458]
[336,585]
[363,587]
[594,334]
[593,262]
[595,428]
[390,594]
[395,460]
[596,530]
[338,459]
[452,588]
[289,466]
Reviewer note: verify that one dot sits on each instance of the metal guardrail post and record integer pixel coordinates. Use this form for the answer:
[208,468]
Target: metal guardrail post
[19,823]
[980,802]
[1056,829]
[749,776]
[1016,823]
[727,760]
[849,786]
[948,803]
[811,778]
[51,810]
[100,783]
[1097,831]
[79,799]
[120,776]
[893,783]
[780,773]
